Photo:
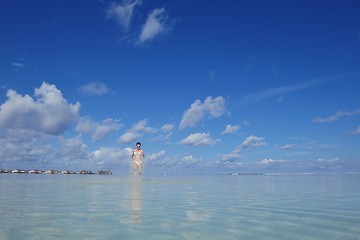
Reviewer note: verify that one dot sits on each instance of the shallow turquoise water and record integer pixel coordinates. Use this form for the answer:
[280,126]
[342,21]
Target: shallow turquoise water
[180,207]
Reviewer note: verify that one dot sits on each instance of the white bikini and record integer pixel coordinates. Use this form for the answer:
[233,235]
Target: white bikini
[138,162]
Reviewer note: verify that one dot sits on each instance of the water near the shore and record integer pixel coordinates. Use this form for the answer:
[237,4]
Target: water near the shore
[181,207]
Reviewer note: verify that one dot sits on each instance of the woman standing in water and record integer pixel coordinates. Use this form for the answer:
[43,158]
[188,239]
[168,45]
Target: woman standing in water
[137,156]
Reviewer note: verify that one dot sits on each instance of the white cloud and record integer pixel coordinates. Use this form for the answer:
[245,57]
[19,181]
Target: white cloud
[141,126]
[251,142]
[167,127]
[31,128]
[280,91]
[95,88]
[122,13]
[211,107]
[307,147]
[198,140]
[163,137]
[49,113]
[231,129]
[12,150]
[310,166]
[72,150]
[111,155]
[157,22]
[96,130]
[267,161]
[136,132]
[287,146]
[230,157]
[193,115]
[156,25]
[18,65]
[189,160]
[129,137]
[155,156]
[215,107]
[43,152]
[357,131]
[336,116]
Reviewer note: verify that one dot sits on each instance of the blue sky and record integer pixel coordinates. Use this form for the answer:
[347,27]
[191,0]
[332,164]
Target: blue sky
[234,86]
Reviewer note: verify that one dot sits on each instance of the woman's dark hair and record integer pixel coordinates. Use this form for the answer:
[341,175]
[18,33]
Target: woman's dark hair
[138,143]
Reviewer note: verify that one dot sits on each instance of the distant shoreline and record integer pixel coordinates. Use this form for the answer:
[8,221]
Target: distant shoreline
[36,171]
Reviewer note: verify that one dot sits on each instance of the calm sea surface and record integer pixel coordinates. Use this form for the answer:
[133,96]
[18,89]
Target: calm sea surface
[180,207]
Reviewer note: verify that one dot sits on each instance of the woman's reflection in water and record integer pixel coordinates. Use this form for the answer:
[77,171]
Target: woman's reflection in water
[135,201]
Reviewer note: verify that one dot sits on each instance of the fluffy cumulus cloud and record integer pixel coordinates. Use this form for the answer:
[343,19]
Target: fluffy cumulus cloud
[72,150]
[95,88]
[198,140]
[111,155]
[31,128]
[97,130]
[48,112]
[129,137]
[155,25]
[251,142]
[122,12]
[189,160]
[31,132]
[45,152]
[211,107]
[267,161]
[21,151]
[141,126]
[165,164]
[230,129]
[136,132]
